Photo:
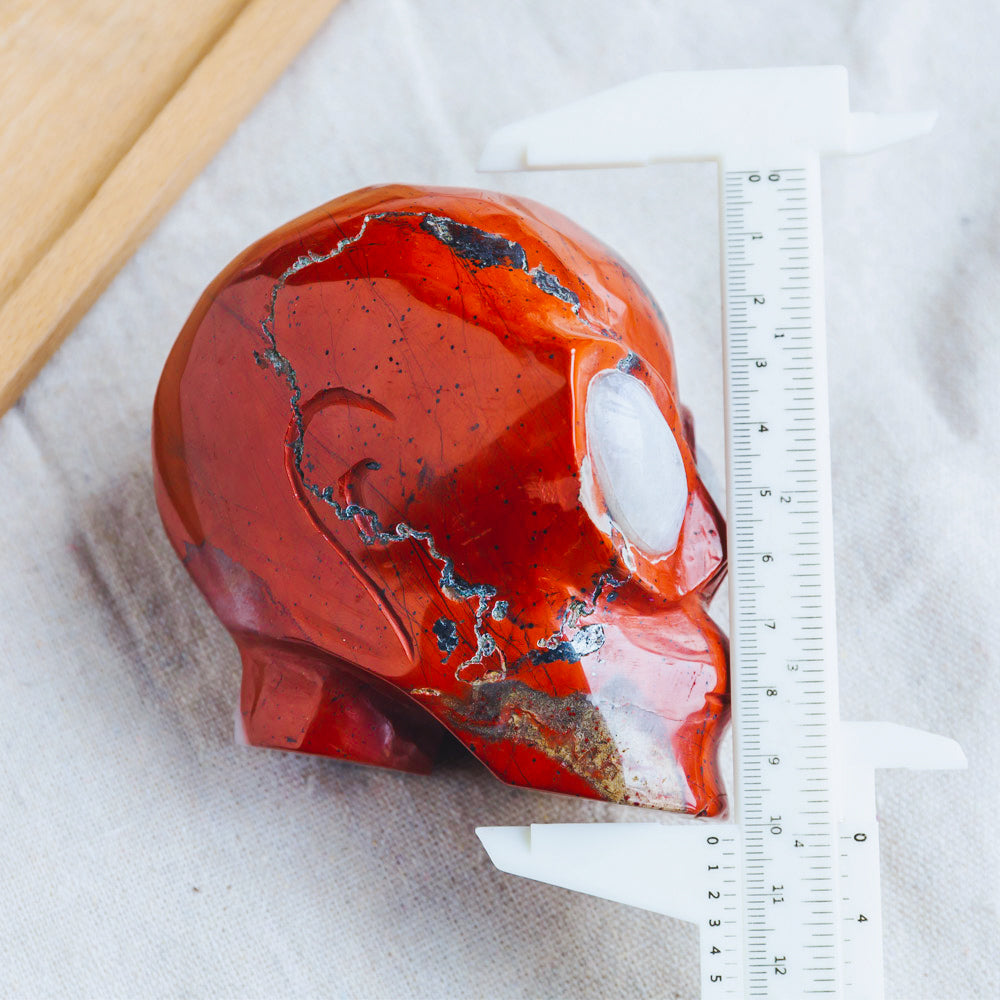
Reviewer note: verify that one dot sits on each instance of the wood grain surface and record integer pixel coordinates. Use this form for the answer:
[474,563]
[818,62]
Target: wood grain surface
[108,109]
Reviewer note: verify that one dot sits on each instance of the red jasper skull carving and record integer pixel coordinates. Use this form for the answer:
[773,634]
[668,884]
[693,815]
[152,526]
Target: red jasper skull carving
[422,451]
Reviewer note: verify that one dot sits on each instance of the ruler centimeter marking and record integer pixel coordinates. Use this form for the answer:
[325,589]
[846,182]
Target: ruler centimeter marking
[783,641]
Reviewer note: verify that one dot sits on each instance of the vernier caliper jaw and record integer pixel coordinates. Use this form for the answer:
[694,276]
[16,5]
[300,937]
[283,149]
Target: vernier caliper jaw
[654,866]
[669,869]
[693,116]
[867,746]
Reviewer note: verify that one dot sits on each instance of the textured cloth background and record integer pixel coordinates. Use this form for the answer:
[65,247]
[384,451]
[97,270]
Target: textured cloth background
[144,855]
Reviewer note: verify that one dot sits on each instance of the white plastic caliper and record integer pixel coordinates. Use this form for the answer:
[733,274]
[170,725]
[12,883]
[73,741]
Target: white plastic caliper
[786,896]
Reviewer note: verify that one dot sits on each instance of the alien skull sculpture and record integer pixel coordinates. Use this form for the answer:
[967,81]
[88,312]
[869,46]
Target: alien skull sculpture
[422,451]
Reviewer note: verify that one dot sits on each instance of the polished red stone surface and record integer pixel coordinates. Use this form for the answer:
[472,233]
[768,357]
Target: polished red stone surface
[371,444]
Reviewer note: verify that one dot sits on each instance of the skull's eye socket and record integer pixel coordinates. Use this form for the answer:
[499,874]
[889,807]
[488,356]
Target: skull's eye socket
[636,462]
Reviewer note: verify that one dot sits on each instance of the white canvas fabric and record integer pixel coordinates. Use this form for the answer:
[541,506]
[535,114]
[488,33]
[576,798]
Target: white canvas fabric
[143,854]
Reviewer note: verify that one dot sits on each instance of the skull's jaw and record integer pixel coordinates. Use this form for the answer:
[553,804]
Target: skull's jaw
[642,729]
[661,684]
[635,719]
[645,734]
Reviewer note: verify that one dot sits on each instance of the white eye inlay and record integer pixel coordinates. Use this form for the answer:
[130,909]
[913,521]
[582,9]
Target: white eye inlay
[636,462]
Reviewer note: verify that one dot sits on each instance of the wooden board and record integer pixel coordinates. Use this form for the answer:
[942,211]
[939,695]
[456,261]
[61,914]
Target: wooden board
[107,111]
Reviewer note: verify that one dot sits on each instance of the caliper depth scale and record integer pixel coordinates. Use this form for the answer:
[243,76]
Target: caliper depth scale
[786,895]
